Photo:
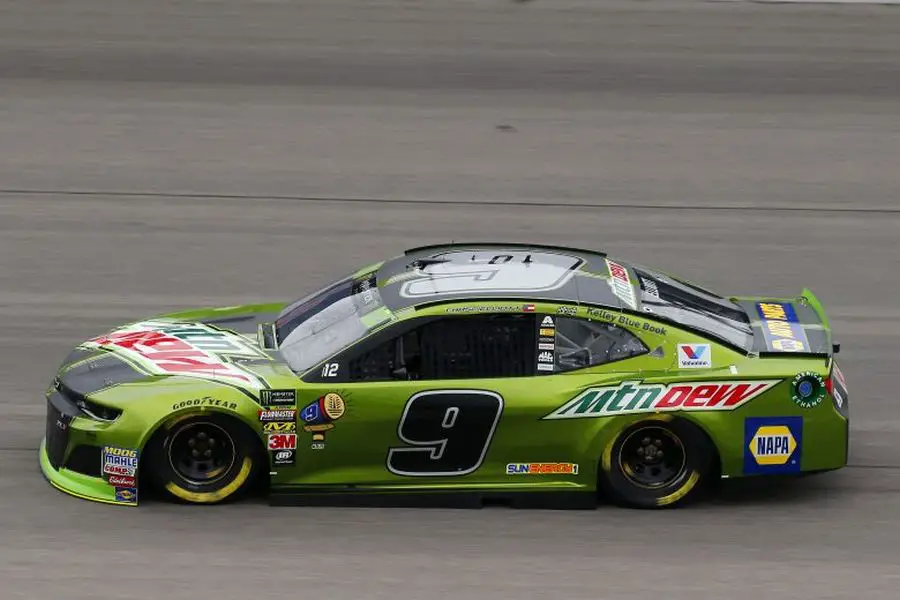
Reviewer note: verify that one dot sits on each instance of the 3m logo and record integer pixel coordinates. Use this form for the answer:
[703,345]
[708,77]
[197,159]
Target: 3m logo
[632,397]
[694,356]
[772,444]
[283,441]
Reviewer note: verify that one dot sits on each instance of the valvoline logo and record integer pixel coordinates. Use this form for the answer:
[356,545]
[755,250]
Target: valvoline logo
[694,356]
[772,444]
[694,352]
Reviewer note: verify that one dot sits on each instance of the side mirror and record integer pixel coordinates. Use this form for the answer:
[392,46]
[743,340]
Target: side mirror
[400,373]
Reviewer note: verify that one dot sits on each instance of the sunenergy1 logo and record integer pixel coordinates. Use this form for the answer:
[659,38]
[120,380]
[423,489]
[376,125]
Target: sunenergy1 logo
[631,397]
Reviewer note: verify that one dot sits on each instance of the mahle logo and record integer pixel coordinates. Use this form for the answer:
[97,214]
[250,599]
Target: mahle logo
[632,397]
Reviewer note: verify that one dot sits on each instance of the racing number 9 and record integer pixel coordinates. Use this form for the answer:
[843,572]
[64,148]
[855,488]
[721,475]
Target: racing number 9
[448,432]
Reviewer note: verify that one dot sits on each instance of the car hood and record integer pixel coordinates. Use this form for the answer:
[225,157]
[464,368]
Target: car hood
[220,346]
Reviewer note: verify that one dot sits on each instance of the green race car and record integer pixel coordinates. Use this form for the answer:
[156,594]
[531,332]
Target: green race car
[455,375]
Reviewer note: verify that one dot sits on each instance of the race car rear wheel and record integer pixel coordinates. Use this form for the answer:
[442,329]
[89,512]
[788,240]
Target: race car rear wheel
[656,463]
[204,459]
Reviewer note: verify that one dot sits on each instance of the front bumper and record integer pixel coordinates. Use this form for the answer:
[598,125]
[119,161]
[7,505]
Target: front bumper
[77,484]
[71,457]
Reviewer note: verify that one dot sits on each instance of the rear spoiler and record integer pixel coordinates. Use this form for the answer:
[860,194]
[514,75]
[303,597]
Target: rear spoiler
[816,305]
[795,326]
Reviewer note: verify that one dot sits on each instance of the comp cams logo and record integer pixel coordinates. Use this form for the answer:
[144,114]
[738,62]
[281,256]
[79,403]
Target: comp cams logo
[772,445]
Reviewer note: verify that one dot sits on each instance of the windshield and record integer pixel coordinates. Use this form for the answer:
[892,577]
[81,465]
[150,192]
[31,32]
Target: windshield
[316,327]
[694,307]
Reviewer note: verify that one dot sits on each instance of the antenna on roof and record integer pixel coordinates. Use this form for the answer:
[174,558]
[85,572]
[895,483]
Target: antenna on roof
[424,262]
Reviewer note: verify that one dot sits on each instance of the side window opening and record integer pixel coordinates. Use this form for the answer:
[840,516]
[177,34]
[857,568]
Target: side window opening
[470,347]
[377,364]
[581,343]
[473,347]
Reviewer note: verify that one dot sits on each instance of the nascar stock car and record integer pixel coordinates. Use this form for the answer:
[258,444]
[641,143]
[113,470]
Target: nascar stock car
[455,375]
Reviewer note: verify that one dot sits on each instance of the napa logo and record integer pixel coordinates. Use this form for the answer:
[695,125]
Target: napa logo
[772,445]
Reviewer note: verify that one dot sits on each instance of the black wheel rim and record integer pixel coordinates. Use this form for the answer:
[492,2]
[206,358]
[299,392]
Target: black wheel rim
[652,457]
[201,453]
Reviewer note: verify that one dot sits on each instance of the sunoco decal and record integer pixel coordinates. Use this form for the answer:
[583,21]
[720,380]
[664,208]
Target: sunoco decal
[632,397]
[189,350]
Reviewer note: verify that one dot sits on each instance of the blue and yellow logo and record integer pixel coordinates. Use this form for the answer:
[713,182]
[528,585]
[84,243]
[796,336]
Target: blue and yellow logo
[772,445]
[781,327]
[126,495]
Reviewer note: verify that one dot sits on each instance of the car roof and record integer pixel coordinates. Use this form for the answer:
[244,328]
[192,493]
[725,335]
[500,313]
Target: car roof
[503,271]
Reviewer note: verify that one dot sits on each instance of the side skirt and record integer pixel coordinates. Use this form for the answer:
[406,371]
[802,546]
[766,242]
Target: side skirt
[361,497]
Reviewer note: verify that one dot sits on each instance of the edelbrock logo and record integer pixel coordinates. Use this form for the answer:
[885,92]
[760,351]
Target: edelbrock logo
[631,397]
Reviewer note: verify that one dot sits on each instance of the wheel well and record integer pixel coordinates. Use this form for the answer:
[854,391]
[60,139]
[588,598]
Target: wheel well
[715,468]
[151,446]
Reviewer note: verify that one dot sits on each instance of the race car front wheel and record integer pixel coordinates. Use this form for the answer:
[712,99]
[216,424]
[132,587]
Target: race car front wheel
[656,464]
[204,459]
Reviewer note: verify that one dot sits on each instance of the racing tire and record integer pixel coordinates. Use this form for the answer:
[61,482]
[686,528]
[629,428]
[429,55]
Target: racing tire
[204,459]
[656,463]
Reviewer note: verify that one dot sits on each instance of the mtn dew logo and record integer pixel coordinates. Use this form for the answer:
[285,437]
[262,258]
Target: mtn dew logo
[186,349]
[631,397]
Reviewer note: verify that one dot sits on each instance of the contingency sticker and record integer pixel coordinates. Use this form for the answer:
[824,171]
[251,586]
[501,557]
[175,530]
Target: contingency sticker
[546,353]
[772,445]
[694,356]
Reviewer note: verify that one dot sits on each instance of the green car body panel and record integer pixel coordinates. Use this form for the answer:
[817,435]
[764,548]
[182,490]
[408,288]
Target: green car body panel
[119,389]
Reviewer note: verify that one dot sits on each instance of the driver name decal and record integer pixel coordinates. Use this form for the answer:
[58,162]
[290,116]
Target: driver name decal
[631,397]
[190,350]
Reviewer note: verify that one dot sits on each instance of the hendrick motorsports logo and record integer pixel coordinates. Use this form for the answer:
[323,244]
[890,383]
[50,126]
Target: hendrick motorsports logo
[637,397]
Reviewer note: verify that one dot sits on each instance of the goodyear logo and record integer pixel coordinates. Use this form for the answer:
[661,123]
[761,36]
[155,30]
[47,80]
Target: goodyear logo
[772,445]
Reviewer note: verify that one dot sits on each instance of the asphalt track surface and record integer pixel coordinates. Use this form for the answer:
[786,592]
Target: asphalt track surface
[170,154]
